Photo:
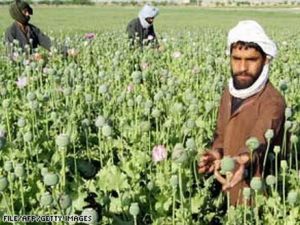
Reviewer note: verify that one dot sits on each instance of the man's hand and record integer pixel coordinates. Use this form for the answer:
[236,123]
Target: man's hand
[238,176]
[206,163]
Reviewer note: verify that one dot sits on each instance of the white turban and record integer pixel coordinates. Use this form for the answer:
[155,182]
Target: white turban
[146,12]
[251,31]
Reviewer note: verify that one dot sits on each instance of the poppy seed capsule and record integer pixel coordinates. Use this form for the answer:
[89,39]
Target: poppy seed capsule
[276,149]
[85,123]
[270,180]
[46,199]
[92,214]
[288,112]
[51,179]
[19,170]
[150,186]
[8,166]
[106,130]
[190,144]
[21,122]
[179,154]
[88,98]
[5,103]
[283,85]
[65,201]
[145,126]
[246,193]
[269,134]
[134,209]
[100,121]
[3,183]
[27,137]
[67,91]
[103,89]
[256,183]
[155,113]
[294,139]
[252,143]
[174,181]
[287,124]
[44,171]
[31,96]
[283,164]
[227,164]
[292,197]
[62,140]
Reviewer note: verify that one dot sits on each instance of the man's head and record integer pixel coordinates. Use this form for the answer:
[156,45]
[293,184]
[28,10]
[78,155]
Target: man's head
[147,15]
[250,50]
[20,11]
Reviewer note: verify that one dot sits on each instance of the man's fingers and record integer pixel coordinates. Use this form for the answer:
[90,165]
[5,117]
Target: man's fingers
[202,169]
[211,168]
[237,177]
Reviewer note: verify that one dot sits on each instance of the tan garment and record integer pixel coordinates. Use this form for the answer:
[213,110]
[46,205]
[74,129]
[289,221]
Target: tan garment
[262,111]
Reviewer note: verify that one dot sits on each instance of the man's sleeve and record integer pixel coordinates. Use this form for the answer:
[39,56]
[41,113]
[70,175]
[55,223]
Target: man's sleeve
[219,133]
[44,40]
[131,30]
[8,36]
[271,117]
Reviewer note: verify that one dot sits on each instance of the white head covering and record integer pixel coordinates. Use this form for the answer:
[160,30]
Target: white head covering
[146,12]
[251,31]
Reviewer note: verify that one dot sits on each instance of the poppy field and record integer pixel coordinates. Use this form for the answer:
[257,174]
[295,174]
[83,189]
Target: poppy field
[115,133]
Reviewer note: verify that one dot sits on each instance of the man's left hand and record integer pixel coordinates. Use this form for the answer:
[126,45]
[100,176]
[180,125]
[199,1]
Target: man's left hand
[242,160]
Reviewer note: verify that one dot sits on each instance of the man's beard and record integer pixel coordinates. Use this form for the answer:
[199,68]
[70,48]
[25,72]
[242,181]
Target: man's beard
[243,84]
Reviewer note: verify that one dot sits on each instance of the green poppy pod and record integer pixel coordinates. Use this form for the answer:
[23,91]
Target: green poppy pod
[256,183]
[3,183]
[51,179]
[46,199]
[90,213]
[65,201]
[292,197]
[62,140]
[270,180]
[134,209]
[227,164]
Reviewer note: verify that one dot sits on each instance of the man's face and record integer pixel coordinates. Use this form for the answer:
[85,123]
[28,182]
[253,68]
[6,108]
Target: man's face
[150,20]
[26,13]
[246,66]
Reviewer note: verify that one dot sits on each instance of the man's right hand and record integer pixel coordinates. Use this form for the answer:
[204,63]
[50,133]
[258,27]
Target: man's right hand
[206,163]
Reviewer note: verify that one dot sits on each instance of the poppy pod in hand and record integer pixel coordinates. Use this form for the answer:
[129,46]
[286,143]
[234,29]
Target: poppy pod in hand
[227,164]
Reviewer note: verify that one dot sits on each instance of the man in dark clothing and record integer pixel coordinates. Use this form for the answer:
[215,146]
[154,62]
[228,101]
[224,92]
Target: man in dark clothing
[250,106]
[140,30]
[22,32]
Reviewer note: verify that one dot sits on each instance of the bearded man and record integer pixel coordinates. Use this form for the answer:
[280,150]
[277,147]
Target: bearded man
[141,29]
[250,105]
[21,30]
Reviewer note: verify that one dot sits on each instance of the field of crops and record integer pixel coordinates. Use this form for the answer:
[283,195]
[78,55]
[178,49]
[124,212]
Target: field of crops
[120,130]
